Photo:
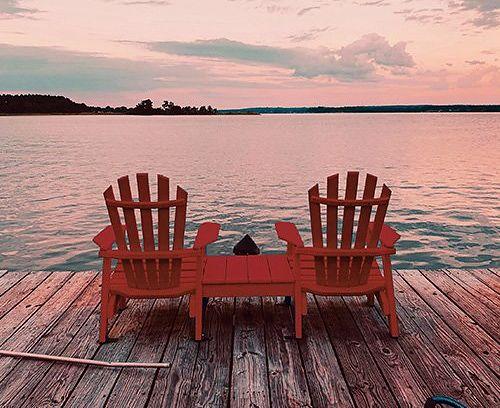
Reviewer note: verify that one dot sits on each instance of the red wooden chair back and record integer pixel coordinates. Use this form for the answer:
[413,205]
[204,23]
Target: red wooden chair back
[354,265]
[143,268]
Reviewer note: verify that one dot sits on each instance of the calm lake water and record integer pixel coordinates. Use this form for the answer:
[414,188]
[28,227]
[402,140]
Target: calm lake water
[248,172]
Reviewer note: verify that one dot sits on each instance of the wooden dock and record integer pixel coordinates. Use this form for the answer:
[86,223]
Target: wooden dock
[449,344]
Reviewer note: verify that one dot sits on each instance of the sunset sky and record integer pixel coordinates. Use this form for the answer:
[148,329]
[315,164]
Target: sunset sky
[253,53]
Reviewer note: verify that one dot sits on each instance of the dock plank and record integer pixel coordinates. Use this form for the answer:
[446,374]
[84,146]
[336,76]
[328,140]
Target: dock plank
[488,278]
[470,303]
[26,374]
[485,347]
[101,381]
[476,307]
[249,381]
[251,357]
[58,382]
[44,318]
[212,374]
[172,385]
[405,382]
[149,347]
[14,319]
[364,379]
[327,384]
[476,377]
[476,287]
[7,280]
[23,284]
[287,378]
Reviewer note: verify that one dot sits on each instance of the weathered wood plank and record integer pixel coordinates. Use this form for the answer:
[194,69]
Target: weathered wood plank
[101,381]
[25,376]
[16,316]
[3,272]
[212,376]
[324,375]
[149,347]
[469,303]
[44,318]
[466,328]
[172,386]
[488,278]
[476,287]
[249,382]
[364,379]
[476,377]
[405,382]
[287,378]
[9,280]
[23,284]
[58,382]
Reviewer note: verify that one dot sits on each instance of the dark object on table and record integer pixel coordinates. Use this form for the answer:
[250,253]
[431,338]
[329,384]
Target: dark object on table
[442,400]
[246,246]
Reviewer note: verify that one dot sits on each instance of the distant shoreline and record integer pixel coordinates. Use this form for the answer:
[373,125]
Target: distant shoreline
[369,109]
[33,104]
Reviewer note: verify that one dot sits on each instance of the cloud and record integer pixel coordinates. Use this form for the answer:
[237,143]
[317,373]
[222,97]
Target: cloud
[475,62]
[484,76]
[307,10]
[378,3]
[11,9]
[308,35]
[146,3]
[46,69]
[274,8]
[353,62]
[487,12]
[425,15]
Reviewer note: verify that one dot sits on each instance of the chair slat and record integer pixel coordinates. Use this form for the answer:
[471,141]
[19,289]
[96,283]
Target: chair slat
[163,230]
[114,217]
[317,233]
[179,230]
[132,232]
[362,230]
[375,232]
[347,225]
[332,192]
[147,228]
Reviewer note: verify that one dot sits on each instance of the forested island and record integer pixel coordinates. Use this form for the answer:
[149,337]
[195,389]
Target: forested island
[53,105]
[48,104]
[366,109]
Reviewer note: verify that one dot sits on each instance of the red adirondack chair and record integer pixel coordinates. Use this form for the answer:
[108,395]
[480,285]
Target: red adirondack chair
[344,269]
[148,271]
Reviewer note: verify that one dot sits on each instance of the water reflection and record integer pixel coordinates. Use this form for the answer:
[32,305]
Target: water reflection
[247,173]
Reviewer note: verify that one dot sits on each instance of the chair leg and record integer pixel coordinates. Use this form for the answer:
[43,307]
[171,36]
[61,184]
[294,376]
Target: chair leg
[370,299]
[392,317]
[112,305]
[304,304]
[192,306]
[299,308]
[382,301]
[198,329]
[103,328]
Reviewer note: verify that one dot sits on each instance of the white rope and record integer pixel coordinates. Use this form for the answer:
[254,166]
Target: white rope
[82,360]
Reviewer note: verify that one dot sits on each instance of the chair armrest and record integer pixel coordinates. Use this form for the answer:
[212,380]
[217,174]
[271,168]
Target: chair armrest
[207,233]
[105,239]
[388,236]
[288,232]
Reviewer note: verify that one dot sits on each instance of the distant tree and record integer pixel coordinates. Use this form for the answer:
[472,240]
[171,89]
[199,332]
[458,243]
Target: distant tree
[144,107]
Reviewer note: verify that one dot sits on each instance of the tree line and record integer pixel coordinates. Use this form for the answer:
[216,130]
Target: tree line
[50,104]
